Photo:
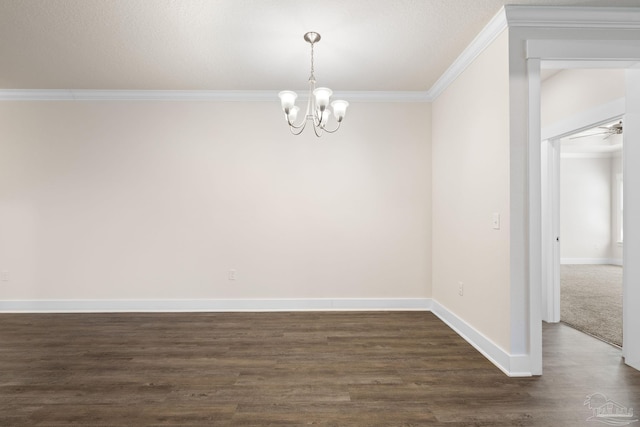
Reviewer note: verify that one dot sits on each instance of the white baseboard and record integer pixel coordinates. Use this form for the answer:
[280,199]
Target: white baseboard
[584,261]
[214,305]
[512,365]
[634,363]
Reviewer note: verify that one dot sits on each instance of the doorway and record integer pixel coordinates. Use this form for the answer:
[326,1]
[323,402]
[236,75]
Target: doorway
[590,204]
[564,125]
[551,135]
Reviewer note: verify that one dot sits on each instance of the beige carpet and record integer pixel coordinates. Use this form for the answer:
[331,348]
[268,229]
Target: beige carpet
[591,300]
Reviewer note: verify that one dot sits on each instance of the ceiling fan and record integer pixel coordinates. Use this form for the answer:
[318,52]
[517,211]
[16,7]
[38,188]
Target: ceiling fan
[607,131]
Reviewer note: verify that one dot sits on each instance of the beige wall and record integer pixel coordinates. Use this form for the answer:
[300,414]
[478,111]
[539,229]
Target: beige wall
[137,200]
[585,214]
[588,200]
[574,91]
[471,183]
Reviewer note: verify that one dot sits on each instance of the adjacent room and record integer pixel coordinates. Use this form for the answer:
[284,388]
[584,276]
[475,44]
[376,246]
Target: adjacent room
[589,190]
[591,232]
[261,213]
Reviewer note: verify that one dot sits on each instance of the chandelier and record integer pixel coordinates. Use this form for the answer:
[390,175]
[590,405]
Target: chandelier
[318,112]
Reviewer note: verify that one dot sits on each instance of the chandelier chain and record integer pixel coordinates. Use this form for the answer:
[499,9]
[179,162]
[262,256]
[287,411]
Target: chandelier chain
[312,77]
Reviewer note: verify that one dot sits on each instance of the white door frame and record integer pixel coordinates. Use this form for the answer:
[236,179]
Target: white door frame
[550,230]
[567,50]
[631,241]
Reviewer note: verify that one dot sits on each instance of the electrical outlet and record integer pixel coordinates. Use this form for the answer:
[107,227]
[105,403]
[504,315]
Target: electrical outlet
[4,276]
[231,275]
[460,288]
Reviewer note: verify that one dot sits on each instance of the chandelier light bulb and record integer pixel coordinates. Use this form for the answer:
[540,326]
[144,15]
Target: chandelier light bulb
[293,113]
[322,95]
[339,109]
[288,100]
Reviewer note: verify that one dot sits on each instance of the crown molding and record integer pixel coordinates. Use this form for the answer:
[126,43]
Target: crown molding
[536,16]
[384,96]
[573,17]
[135,95]
[373,96]
[488,34]
[508,16]
[196,95]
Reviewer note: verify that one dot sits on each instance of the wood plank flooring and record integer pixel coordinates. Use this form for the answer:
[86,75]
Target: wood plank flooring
[288,369]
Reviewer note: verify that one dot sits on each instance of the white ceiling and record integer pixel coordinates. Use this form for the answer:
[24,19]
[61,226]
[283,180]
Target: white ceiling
[368,45]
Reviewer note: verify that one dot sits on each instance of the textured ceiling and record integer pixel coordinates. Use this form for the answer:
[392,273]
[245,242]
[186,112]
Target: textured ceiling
[370,45]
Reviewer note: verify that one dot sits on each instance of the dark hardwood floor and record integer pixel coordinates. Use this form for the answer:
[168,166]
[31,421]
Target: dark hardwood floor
[288,369]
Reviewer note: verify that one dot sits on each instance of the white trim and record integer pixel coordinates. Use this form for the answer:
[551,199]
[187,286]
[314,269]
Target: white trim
[586,261]
[554,248]
[618,51]
[631,244]
[384,96]
[211,305]
[589,155]
[619,203]
[596,116]
[512,365]
[567,64]
[135,95]
[534,191]
[488,34]
[573,17]
[198,95]
[550,288]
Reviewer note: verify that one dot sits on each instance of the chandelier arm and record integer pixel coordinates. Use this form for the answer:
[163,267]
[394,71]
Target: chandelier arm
[315,130]
[317,119]
[293,125]
[300,127]
[319,123]
[332,131]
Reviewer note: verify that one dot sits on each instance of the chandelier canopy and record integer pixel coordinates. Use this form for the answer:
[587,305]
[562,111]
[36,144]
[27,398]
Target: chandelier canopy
[318,112]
